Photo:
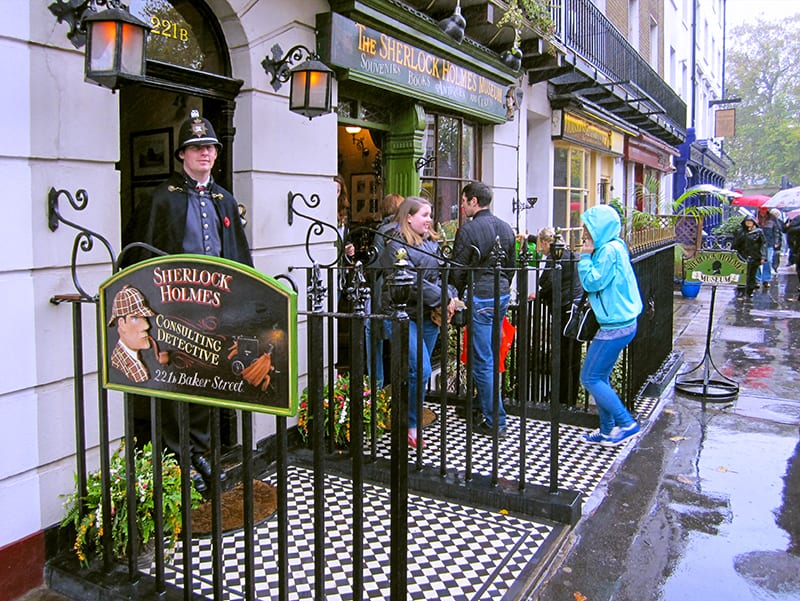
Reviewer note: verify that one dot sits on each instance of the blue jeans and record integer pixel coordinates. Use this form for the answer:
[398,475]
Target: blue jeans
[764,272]
[600,358]
[430,333]
[483,368]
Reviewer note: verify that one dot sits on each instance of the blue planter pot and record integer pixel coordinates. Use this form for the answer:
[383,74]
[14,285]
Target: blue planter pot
[690,289]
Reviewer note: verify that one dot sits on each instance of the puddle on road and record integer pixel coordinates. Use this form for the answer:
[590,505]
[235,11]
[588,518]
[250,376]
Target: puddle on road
[775,410]
[741,334]
[742,552]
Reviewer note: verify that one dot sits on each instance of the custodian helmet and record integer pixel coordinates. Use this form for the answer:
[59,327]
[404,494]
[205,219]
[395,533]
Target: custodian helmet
[196,131]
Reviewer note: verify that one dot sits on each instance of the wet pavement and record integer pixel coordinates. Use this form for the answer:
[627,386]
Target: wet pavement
[707,503]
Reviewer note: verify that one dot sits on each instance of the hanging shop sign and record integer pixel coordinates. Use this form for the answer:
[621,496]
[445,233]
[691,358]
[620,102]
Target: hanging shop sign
[718,267]
[201,329]
[571,127]
[377,58]
[724,123]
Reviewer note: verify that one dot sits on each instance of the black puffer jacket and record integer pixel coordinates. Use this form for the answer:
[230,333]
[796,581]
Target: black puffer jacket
[750,244]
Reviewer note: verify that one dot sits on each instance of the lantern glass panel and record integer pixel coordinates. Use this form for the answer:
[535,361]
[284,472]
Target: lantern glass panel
[298,90]
[318,89]
[103,38]
[132,49]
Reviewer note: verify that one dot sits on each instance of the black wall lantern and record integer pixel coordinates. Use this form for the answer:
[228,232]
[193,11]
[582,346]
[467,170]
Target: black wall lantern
[115,40]
[311,81]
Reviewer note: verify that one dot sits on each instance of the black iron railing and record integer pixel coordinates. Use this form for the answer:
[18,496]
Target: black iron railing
[531,379]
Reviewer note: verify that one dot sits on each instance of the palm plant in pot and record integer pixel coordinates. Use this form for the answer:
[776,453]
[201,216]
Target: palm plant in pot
[686,218]
[89,525]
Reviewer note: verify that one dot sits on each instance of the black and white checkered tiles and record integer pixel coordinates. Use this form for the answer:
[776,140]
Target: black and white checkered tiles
[455,552]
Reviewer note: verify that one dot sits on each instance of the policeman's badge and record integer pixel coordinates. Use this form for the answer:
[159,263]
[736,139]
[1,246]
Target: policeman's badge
[198,126]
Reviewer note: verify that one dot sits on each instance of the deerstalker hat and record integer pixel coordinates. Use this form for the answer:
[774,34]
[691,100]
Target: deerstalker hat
[129,301]
[196,131]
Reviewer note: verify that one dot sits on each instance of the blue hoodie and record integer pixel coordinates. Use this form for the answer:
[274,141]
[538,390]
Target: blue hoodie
[607,274]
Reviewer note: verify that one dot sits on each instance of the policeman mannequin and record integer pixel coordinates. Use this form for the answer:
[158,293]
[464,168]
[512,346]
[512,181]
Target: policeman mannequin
[191,213]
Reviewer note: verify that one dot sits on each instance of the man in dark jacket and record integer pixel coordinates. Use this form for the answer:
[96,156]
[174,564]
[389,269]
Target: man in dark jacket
[749,242]
[191,213]
[483,242]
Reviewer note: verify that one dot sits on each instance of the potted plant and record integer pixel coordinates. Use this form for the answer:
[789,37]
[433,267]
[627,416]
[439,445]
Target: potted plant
[678,210]
[89,527]
[341,412]
[528,13]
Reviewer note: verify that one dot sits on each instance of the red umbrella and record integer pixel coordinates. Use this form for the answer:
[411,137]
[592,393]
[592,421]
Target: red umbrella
[756,200]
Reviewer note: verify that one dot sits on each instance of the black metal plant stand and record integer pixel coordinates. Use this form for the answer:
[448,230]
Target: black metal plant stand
[709,383]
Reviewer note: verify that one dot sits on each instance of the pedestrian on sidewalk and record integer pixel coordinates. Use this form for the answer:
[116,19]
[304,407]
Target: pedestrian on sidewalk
[750,243]
[414,236]
[607,276]
[475,246]
[776,256]
[793,241]
[772,244]
[571,292]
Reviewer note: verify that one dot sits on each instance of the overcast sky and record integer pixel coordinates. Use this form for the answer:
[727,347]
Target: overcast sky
[739,11]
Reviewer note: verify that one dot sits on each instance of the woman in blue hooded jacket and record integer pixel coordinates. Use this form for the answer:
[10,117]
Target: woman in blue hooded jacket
[607,276]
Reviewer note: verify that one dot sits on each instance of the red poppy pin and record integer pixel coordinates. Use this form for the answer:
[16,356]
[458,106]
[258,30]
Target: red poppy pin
[226,222]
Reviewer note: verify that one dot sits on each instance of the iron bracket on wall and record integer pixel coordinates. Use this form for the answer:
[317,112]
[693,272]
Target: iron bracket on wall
[84,239]
[317,227]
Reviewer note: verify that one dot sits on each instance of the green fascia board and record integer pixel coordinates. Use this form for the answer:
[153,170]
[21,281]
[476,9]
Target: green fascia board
[403,22]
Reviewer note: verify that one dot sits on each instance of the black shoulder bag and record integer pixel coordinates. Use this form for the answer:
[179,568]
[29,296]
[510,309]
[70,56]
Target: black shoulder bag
[582,324]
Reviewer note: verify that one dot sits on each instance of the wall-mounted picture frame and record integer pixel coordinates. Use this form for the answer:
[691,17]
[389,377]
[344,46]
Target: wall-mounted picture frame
[151,153]
[365,195]
[141,191]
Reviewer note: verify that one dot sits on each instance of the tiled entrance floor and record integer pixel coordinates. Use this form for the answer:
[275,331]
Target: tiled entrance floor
[455,552]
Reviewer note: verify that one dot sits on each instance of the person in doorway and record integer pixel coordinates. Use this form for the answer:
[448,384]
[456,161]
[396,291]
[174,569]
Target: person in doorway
[343,216]
[475,247]
[345,257]
[772,244]
[384,231]
[191,213]
[130,312]
[607,275]
[571,292]
[750,243]
[414,236]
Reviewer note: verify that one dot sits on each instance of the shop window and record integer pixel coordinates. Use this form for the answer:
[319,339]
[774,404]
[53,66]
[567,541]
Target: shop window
[450,161]
[570,186]
[182,34]
[355,111]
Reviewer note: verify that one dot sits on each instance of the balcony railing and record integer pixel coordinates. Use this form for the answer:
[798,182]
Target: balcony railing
[582,28]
